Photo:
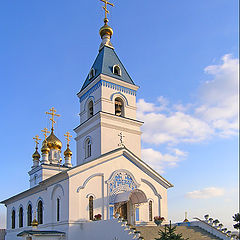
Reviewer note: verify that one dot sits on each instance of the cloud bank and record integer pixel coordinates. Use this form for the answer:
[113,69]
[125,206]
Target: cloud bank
[206,193]
[214,114]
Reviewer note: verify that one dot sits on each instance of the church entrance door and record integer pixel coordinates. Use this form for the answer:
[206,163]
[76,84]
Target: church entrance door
[123,211]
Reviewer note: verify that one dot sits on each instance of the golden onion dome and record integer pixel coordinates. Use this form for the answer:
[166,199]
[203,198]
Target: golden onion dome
[45,148]
[106,29]
[34,223]
[53,142]
[36,155]
[68,152]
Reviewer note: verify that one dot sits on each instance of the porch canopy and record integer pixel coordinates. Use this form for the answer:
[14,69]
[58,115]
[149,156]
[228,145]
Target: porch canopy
[136,197]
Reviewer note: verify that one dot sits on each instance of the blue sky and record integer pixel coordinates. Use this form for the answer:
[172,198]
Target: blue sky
[182,54]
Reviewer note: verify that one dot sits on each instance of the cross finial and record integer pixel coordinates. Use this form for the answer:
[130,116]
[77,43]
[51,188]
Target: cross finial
[36,138]
[121,144]
[45,131]
[52,112]
[105,7]
[68,136]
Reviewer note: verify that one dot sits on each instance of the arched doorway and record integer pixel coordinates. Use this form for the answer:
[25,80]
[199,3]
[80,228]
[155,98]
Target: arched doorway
[125,204]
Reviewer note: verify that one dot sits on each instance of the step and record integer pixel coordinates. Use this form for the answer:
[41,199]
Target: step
[193,233]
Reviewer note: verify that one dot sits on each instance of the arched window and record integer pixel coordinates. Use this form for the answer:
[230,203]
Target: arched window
[58,209]
[150,210]
[116,70]
[88,148]
[40,212]
[13,219]
[20,215]
[90,109]
[91,208]
[29,215]
[119,107]
[35,179]
[92,73]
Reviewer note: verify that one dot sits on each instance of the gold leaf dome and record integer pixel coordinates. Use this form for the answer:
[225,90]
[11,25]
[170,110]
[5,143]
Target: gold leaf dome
[106,29]
[36,155]
[68,152]
[53,142]
[45,148]
[34,223]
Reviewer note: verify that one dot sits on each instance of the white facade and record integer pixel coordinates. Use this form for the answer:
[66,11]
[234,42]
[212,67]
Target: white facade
[110,178]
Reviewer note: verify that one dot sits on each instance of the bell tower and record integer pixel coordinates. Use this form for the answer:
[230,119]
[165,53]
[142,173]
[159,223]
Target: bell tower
[107,105]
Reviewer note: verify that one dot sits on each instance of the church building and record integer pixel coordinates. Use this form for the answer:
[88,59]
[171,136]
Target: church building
[110,181]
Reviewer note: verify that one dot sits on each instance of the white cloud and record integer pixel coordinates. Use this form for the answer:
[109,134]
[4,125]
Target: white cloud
[215,112]
[206,193]
[159,161]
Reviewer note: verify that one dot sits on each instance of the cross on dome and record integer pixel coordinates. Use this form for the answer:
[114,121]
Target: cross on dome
[68,136]
[37,139]
[45,131]
[105,7]
[52,112]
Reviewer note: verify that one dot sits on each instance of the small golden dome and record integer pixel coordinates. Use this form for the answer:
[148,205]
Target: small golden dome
[68,152]
[36,155]
[34,223]
[106,29]
[45,148]
[53,142]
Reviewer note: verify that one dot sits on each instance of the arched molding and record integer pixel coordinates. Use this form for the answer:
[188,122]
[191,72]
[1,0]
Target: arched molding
[121,96]
[91,195]
[40,199]
[124,171]
[55,188]
[152,187]
[118,69]
[90,98]
[19,207]
[29,203]
[88,179]
[85,140]
[150,199]
[13,209]
[156,194]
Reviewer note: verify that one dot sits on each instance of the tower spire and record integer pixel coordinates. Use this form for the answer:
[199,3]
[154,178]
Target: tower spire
[106,31]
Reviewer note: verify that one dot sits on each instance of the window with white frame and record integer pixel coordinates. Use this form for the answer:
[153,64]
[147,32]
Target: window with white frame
[117,70]
[88,148]
[90,109]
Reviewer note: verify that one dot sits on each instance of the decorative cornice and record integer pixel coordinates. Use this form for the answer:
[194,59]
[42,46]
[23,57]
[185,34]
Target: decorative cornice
[108,85]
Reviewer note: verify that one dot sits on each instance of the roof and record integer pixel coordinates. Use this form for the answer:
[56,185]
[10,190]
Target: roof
[104,63]
[37,232]
[83,167]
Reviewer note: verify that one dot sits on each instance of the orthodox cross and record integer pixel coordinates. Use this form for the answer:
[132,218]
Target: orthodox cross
[68,136]
[105,7]
[36,138]
[45,131]
[52,112]
[121,139]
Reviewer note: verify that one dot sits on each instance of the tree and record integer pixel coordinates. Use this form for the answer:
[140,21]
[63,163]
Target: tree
[169,234]
[236,218]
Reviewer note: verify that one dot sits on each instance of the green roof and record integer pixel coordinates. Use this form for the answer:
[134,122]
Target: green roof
[104,63]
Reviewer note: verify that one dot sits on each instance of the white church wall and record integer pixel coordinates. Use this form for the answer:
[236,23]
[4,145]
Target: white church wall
[90,182]
[48,197]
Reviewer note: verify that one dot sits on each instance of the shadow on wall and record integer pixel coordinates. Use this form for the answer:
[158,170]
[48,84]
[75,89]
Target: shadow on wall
[2,234]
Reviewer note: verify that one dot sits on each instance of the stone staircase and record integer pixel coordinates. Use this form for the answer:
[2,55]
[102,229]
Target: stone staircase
[193,233]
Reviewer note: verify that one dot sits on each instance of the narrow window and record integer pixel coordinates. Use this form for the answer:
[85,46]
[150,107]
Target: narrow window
[13,219]
[88,148]
[90,109]
[20,215]
[29,215]
[150,210]
[92,73]
[58,209]
[118,107]
[91,208]
[40,212]
[116,70]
